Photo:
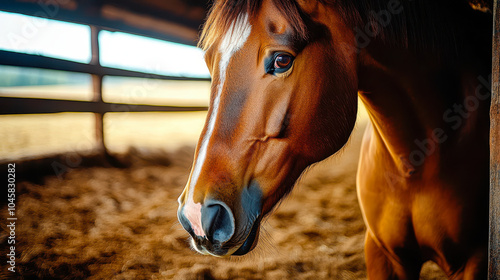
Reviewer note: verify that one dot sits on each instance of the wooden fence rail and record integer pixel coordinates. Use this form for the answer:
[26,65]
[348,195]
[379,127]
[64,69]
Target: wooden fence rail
[14,105]
[17,105]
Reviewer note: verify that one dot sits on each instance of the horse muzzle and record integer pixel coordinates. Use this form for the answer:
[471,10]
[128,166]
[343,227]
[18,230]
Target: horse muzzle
[219,231]
[219,236]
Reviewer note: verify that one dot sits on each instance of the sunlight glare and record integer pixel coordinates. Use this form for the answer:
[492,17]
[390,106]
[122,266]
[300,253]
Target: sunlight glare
[138,53]
[40,36]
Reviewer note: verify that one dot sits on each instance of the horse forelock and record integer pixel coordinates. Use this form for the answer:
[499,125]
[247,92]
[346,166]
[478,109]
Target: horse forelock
[224,13]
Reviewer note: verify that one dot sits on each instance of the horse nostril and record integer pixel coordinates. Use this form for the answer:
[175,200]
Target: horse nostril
[217,222]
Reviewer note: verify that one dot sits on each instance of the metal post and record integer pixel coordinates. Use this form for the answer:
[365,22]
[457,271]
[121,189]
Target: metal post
[494,244]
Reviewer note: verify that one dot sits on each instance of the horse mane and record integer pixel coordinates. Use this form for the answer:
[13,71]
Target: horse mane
[423,25]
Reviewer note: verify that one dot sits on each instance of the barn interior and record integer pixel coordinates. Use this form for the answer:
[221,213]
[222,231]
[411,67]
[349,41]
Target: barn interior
[102,149]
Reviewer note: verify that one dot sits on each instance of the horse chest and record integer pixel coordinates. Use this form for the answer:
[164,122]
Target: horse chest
[427,217]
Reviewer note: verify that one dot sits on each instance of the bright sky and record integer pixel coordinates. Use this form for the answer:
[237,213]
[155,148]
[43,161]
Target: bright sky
[70,41]
[144,54]
[52,38]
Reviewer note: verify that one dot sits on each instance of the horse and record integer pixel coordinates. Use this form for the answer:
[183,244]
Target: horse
[286,77]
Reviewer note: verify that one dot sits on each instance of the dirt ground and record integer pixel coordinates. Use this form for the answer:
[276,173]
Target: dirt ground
[120,223]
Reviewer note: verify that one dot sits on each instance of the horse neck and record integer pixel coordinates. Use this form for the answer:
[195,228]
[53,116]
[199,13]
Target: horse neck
[415,97]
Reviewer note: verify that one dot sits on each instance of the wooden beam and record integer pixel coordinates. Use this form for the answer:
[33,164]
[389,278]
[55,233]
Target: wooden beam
[89,12]
[97,89]
[17,105]
[36,61]
[494,246]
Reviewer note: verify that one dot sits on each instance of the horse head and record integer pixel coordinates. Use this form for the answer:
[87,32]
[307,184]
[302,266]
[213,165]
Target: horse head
[283,96]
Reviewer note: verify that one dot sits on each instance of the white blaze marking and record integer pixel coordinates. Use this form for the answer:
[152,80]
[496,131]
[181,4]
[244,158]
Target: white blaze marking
[233,40]
[193,214]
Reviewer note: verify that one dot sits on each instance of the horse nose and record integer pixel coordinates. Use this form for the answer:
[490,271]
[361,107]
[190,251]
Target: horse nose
[217,222]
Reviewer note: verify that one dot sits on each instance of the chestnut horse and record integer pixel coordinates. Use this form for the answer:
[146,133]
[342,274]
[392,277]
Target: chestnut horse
[286,76]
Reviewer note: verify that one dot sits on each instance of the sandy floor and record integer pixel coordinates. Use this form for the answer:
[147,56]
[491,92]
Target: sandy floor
[112,223]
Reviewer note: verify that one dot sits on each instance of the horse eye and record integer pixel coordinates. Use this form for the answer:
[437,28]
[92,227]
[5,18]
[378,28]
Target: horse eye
[278,63]
[282,61]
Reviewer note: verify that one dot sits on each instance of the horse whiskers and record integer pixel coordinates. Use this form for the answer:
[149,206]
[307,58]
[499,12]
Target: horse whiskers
[267,239]
[176,226]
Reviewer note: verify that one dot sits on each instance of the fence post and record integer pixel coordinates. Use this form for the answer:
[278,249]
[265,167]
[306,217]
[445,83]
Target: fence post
[494,244]
[97,89]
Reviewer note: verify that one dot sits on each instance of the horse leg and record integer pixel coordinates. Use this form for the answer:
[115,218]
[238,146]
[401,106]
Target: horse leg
[476,267]
[382,267]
